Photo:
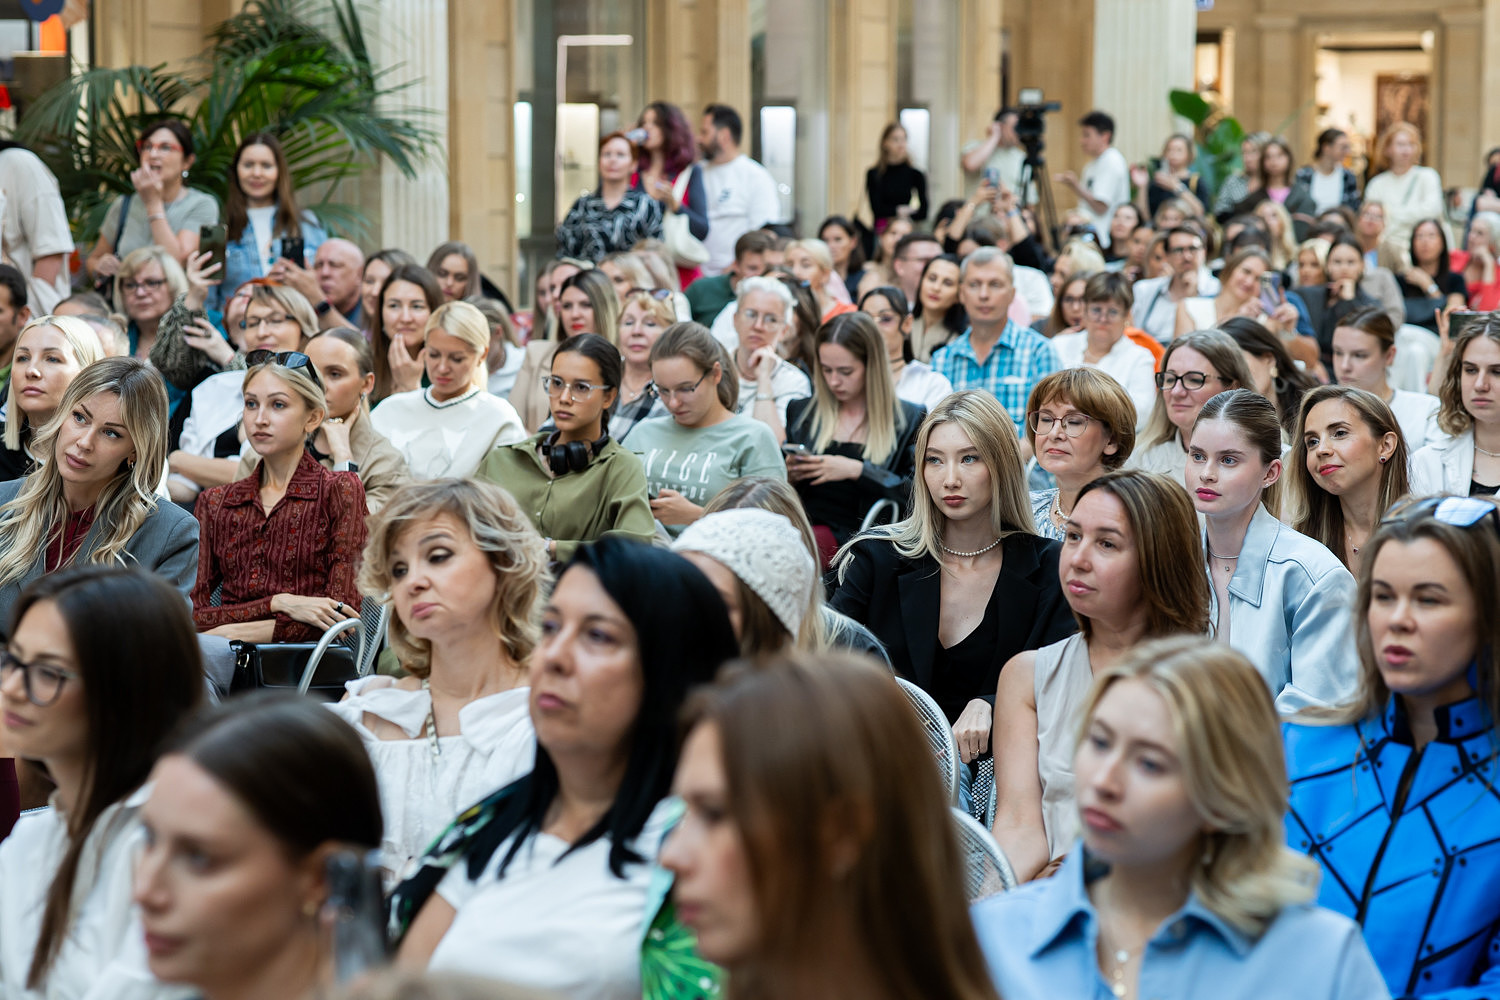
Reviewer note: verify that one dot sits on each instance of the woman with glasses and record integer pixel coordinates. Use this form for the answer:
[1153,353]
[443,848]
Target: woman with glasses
[575,482]
[767,384]
[704,445]
[279,548]
[1467,461]
[1081,424]
[1393,791]
[1195,368]
[161,210]
[916,382]
[646,313]
[448,428]
[100,666]
[1103,344]
[148,281]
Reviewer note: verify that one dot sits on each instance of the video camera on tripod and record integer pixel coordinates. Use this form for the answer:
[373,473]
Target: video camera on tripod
[1031,128]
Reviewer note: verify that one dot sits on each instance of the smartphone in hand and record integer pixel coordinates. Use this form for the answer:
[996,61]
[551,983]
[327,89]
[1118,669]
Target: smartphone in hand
[294,249]
[212,240]
[1270,292]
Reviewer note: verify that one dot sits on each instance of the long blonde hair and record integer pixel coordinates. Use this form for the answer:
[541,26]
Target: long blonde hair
[979,415]
[1228,742]
[885,418]
[87,349]
[28,523]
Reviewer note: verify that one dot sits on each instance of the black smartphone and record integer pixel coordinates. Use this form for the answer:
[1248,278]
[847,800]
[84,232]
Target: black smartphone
[294,250]
[212,240]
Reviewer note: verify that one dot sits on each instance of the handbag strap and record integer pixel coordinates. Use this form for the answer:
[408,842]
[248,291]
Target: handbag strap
[120,229]
[680,185]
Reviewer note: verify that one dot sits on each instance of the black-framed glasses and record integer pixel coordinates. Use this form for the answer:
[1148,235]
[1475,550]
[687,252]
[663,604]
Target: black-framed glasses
[275,319]
[659,294]
[555,386]
[666,395]
[1074,424]
[286,359]
[44,682]
[149,284]
[1460,512]
[1192,381]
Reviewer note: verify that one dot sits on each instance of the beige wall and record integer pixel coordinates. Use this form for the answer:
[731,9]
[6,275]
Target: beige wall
[481,168]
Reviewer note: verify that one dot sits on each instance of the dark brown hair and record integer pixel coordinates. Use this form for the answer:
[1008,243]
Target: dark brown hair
[379,341]
[236,206]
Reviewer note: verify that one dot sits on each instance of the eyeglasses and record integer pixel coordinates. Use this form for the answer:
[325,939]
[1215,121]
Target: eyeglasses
[275,319]
[1105,312]
[666,395]
[1074,424]
[44,683]
[659,294]
[1460,512]
[149,284]
[580,390]
[158,147]
[1192,381]
[286,359]
[769,321]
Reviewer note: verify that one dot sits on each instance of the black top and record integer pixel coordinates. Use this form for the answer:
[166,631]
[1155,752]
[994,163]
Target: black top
[1478,489]
[893,189]
[1326,316]
[842,506]
[899,600]
[1421,308]
[15,464]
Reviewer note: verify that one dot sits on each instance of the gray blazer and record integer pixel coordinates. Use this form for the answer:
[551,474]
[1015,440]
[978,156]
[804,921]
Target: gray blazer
[166,544]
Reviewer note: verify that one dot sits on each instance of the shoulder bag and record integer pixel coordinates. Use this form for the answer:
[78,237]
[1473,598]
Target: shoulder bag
[686,248]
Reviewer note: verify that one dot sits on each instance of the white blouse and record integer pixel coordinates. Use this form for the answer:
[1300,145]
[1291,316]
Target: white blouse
[104,954]
[420,794]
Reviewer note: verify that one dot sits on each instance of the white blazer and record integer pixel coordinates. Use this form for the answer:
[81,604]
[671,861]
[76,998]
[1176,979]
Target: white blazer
[1445,466]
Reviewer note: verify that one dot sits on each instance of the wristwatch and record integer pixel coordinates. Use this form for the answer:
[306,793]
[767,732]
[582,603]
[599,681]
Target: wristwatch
[346,467]
[323,308]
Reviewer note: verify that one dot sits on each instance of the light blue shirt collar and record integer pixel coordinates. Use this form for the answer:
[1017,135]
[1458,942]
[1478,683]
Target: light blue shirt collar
[1010,336]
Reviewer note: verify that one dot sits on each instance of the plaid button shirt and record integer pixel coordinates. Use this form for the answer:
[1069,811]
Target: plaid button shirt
[1017,361]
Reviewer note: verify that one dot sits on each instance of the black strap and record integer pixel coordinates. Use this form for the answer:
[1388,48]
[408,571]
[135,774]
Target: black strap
[120,229]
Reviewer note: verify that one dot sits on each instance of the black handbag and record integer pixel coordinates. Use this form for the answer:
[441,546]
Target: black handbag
[280,665]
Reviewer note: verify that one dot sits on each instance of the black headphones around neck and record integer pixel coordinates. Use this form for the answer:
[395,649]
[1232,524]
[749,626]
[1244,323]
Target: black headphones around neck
[574,456]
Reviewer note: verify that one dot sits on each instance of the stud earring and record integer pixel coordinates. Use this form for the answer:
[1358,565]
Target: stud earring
[310,908]
[184,175]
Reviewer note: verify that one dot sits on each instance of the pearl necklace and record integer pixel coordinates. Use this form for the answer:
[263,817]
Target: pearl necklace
[1491,454]
[1056,513]
[969,555]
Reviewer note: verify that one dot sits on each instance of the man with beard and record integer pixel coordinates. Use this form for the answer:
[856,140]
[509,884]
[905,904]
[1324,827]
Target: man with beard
[741,193]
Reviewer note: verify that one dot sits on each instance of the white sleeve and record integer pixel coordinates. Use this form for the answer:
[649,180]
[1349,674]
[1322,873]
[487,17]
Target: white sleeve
[766,207]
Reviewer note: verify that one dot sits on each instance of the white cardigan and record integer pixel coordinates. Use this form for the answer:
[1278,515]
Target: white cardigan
[1445,466]
[449,438]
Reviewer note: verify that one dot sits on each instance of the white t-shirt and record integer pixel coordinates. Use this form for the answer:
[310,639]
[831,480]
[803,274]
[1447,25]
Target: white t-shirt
[1107,178]
[787,383]
[1327,190]
[919,384]
[35,224]
[741,197]
[1129,363]
[565,925]
[1033,288]
[263,224]
[218,407]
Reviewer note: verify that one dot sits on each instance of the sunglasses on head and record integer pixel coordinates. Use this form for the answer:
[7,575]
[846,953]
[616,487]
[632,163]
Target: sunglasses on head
[659,294]
[1460,512]
[286,359]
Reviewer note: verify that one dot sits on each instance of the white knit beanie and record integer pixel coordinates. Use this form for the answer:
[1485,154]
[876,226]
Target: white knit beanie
[765,551]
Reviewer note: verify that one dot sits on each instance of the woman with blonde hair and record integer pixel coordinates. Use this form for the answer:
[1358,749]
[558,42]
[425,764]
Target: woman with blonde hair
[1409,191]
[1311,262]
[149,280]
[644,316]
[1183,876]
[1346,468]
[626,271]
[49,353]
[1195,368]
[964,582]
[875,908]
[1127,537]
[1467,461]
[93,498]
[1409,758]
[1283,233]
[811,262]
[464,573]
[448,428]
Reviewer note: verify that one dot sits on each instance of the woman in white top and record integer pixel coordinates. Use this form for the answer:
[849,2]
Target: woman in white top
[1467,461]
[252,806]
[1102,342]
[546,882]
[448,428]
[916,382]
[1364,348]
[102,664]
[1195,368]
[1126,537]
[1408,191]
[768,384]
[1239,295]
[464,571]
[1080,424]
[1280,598]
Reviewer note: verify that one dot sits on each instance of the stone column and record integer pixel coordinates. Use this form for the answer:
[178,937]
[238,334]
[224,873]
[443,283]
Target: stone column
[861,94]
[482,161]
[1460,72]
[413,39]
[1142,50]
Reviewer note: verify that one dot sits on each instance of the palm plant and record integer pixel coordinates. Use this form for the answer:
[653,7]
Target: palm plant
[268,68]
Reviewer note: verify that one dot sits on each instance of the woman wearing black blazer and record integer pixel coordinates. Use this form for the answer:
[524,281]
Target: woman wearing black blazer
[964,583]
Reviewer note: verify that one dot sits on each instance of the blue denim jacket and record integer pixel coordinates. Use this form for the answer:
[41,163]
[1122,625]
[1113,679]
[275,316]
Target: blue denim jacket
[242,259]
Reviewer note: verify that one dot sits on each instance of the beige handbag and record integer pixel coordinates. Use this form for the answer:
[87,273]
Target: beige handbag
[686,248]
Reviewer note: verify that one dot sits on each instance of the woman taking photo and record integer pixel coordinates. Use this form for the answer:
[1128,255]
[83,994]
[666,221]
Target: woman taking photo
[1183,876]
[704,445]
[915,381]
[94,500]
[274,787]
[1273,371]
[260,211]
[570,844]
[1080,424]
[1195,368]
[345,441]
[1346,468]
[1425,710]
[812,264]
[965,582]
[575,482]
[667,153]
[1364,347]
[162,210]
[279,547]
[586,303]
[1408,191]
[642,319]
[456,268]
[771,754]
[1467,461]
[1239,295]
[844,245]
[616,216]
[464,572]
[892,182]
[1125,537]
[100,666]
[408,297]
[1280,598]
[448,428]
[856,435]
[938,318]
[49,353]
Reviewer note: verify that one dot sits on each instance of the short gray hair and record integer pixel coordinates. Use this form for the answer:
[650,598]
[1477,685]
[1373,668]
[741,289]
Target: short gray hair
[768,286]
[988,255]
[1491,222]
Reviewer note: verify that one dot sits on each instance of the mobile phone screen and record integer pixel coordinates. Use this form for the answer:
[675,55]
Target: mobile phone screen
[294,250]
[1270,292]
[212,240]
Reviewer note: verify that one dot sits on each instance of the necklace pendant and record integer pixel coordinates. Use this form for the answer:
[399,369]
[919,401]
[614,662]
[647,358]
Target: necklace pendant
[1122,956]
[1117,988]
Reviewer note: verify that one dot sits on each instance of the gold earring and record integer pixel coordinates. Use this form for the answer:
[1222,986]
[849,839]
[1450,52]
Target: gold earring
[310,908]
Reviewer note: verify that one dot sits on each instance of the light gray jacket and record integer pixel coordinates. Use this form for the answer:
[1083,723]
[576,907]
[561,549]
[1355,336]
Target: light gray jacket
[166,544]
[1291,605]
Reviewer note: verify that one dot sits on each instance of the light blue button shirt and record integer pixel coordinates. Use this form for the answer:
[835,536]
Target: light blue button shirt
[1040,944]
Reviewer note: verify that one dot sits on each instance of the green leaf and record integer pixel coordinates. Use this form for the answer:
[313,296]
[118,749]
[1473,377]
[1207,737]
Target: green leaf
[1190,105]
